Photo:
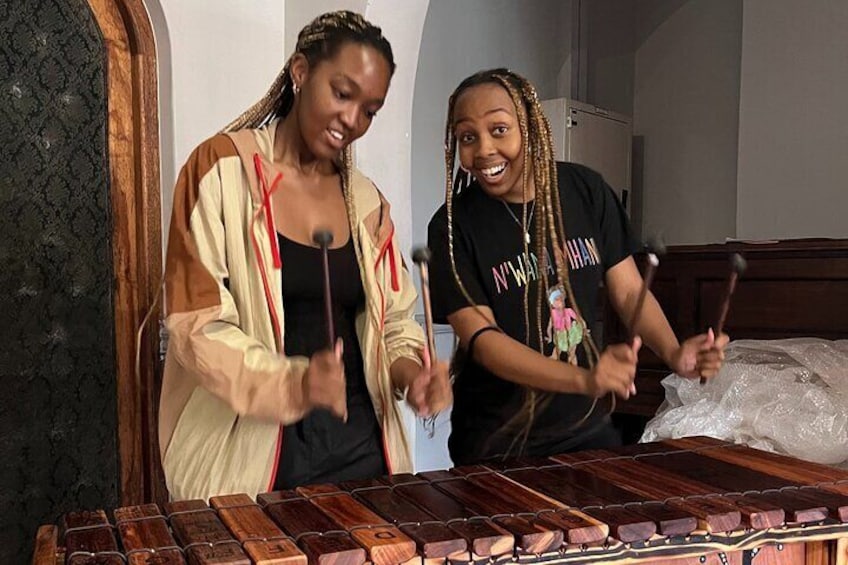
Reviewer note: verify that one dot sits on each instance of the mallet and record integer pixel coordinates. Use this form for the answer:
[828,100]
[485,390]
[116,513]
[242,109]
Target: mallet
[654,248]
[737,267]
[323,239]
[421,257]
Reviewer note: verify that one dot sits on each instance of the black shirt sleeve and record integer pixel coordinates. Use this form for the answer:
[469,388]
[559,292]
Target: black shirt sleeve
[617,242]
[446,295]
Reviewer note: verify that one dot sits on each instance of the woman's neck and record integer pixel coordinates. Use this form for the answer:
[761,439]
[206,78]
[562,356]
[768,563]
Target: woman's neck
[516,194]
[291,152]
[518,197]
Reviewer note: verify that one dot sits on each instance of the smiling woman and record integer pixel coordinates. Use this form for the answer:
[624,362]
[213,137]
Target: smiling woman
[489,143]
[522,306]
[255,396]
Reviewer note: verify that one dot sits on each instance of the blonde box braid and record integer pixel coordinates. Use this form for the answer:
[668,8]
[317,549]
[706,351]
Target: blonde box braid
[550,224]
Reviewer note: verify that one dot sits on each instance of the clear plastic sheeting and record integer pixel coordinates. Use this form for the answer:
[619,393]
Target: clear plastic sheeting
[789,396]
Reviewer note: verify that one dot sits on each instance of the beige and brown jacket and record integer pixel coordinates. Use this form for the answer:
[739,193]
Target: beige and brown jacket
[227,386]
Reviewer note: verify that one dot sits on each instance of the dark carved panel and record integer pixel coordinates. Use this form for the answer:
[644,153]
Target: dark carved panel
[58,402]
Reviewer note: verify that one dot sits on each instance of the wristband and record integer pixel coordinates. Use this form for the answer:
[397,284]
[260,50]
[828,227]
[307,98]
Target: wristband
[469,350]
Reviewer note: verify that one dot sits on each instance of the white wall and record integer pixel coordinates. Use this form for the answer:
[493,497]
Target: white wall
[531,37]
[741,107]
[793,127]
[686,101]
[385,154]
[609,45]
[215,62]
[299,13]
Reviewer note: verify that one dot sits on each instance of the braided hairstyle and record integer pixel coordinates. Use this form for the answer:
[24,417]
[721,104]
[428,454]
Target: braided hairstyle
[319,41]
[539,161]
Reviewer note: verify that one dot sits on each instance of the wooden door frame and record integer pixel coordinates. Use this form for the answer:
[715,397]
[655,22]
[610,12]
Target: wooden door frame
[133,145]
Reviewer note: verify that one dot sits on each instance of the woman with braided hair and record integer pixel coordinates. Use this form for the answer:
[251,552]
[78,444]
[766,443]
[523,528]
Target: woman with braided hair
[520,248]
[253,399]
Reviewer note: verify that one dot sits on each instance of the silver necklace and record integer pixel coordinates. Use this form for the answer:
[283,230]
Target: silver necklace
[517,221]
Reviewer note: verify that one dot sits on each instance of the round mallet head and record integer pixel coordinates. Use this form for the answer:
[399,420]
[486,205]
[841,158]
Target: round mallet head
[655,245]
[738,263]
[322,238]
[653,260]
[421,254]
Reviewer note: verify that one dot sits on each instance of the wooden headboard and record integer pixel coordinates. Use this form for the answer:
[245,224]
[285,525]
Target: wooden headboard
[796,288]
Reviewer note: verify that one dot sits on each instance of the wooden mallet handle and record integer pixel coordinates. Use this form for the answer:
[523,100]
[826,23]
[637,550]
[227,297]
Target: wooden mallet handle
[737,267]
[654,248]
[648,279]
[421,256]
[323,239]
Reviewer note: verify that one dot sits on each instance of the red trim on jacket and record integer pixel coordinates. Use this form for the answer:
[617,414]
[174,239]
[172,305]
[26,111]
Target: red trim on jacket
[266,206]
[276,460]
[386,449]
[389,247]
[271,230]
[275,320]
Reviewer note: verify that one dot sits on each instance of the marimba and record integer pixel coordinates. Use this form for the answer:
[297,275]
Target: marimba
[693,500]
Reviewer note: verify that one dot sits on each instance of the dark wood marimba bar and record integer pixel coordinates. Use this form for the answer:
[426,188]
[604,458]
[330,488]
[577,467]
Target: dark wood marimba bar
[692,500]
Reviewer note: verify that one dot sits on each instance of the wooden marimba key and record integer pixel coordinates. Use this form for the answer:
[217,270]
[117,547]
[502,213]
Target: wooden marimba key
[629,516]
[321,539]
[484,538]
[433,538]
[144,533]
[86,533]
[262,539]
[693,500]
[384,543]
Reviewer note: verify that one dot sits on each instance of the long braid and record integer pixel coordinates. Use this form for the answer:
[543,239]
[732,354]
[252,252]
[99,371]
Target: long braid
[550,223]
[450,163]
[525,175]
[531,400]
[280,94]
[318,41]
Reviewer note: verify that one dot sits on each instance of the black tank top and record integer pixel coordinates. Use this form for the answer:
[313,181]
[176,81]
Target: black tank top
[321,448]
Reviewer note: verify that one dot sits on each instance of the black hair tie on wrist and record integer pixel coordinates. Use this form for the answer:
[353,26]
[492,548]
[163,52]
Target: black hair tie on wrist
[469,351]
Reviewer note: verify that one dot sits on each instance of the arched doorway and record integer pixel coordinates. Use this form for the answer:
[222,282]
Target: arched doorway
[133,138]
[81,254]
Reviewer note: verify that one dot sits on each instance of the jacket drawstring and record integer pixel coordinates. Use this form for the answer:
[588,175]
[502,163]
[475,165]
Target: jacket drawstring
[393,266]
[266,206]
[389,247]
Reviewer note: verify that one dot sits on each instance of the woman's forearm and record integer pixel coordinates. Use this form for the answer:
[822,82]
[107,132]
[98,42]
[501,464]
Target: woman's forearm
[515,362]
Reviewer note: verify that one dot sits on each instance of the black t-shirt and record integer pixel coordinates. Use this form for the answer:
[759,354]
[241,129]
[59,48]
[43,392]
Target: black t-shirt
[321,448]
[489,256]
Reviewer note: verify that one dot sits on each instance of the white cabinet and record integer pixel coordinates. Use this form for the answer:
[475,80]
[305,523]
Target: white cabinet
[595,137]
